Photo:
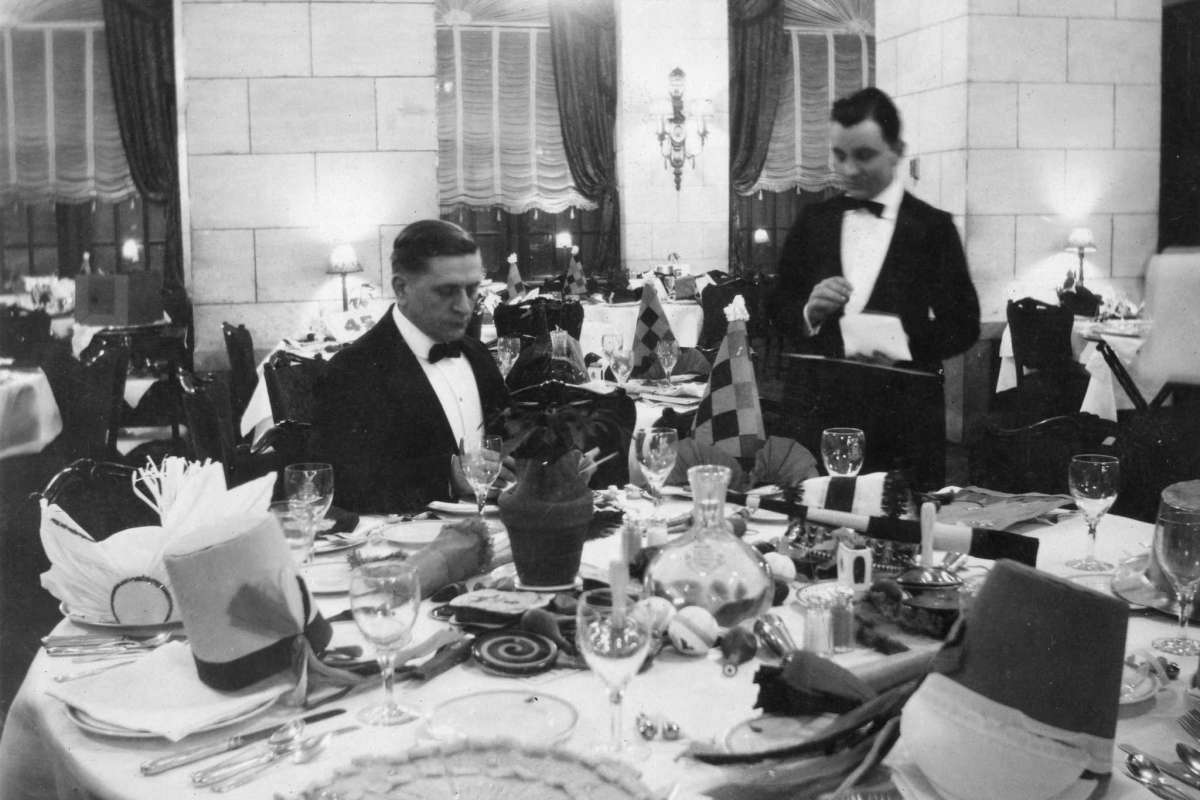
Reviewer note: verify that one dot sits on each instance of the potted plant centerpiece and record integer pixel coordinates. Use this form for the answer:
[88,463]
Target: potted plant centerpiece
[548,510]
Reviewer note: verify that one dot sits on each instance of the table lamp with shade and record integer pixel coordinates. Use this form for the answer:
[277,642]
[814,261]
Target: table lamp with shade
[1074,295]
[1081,241]
[342,262]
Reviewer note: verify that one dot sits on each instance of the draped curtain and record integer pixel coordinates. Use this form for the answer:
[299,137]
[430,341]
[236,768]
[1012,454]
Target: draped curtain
[499,141]
[758,49]
[142,68]
[59,138]
[584,45]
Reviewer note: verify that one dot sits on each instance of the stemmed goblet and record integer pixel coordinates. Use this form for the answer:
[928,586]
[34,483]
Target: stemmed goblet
[843,450]
[384,598]
[667,351]
[309,491]
[622,366]
[610,344]
[655,449]
[508,348]
[1093,480]
[481,466]
[614,642]
[1177,548]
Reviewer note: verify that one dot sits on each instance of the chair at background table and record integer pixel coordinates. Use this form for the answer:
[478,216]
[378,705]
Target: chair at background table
[211,432]
[291,387]
[89,395]
[99,496]
[22,332]
[902,412]
[243,369]
[539,315]
[1034,458]
[1050,382]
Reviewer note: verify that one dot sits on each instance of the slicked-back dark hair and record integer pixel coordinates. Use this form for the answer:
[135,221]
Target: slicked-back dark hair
[870,103]
[425,239]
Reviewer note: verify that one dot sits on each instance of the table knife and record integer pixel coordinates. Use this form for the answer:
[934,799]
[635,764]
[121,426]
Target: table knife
[1166,767]
[158,765]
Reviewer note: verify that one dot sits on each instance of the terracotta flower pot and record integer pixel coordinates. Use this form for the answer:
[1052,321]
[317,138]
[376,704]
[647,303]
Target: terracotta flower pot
[547,513]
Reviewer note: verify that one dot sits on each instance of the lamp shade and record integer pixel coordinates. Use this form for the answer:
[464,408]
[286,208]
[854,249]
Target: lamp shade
[1081,240]
[343,260]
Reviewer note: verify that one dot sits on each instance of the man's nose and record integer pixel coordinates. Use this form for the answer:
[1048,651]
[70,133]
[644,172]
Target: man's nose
[464,302]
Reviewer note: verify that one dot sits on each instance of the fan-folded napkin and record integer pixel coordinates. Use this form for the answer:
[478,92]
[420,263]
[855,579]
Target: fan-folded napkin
[162,694]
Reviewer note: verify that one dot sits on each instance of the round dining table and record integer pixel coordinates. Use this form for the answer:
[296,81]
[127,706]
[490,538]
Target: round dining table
[44,754]
[29,416]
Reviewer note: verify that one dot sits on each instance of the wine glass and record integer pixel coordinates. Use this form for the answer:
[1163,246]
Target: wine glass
[614,642]
[622,366]
[481,466]
[655,449]
[1177,548]
[842,450]
[384,598]
[508,348]
[309,491]
[667,351]
[610,343]
[1093,480]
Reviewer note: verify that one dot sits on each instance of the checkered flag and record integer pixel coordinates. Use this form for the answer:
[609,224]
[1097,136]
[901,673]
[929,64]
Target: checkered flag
[576,282]
[652,327]
[729,417]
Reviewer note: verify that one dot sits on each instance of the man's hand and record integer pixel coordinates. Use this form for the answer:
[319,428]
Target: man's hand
[826,299]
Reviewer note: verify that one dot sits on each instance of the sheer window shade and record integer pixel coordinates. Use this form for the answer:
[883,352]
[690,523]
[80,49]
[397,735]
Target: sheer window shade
[499,141]
[59,140]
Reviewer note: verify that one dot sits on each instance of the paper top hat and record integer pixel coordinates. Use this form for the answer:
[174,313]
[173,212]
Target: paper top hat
[729,416]
[1024,696]
[652,328]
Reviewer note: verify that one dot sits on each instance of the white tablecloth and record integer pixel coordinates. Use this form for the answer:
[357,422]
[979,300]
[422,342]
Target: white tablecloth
[44,755]
[29,416]
[686,318]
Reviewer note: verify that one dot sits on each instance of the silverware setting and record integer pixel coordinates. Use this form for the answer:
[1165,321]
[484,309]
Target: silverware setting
[305,750]
[1190,722]
[121,646]
[1144,771]
[1145,761]
[87,673]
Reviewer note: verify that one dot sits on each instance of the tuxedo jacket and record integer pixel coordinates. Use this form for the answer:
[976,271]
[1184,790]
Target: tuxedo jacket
[379,422]
[923,280]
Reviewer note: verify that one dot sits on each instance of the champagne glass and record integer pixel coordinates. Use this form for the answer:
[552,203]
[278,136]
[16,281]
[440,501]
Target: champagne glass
[842,450]
[667,351]
[508,348]
[622,366]
[614,642]
[481,466]
[1177,548]
[384,598]
[309,491]
[655,449]
[1093,480]
[610,343]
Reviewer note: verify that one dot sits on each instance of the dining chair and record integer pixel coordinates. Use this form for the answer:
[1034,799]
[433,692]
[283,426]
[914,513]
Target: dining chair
[1050,381]
[901,410]
[89,395]
[239,347]
[211,432]
[1035,457]
[98,495]
[291,385]
[22,332]
[540,315]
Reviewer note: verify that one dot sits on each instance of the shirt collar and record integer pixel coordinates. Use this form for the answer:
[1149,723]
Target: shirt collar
[416,339]
[891,196]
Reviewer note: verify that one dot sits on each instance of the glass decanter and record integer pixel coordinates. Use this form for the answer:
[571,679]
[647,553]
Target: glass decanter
[708,566]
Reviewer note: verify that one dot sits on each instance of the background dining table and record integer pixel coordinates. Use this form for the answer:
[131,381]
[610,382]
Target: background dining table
[44,755]
[29,415]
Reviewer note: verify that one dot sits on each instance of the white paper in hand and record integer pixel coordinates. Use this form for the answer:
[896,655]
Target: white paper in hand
[871,334]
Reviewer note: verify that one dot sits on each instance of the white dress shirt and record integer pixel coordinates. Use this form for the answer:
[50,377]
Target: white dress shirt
[452,379]
[865,240]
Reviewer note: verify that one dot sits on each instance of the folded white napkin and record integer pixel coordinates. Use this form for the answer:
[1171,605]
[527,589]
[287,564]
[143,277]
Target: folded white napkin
[161,693]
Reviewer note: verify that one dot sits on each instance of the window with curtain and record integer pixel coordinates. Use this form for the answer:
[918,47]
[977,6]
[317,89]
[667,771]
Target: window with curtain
[831,53]
[502,169]
[65,186]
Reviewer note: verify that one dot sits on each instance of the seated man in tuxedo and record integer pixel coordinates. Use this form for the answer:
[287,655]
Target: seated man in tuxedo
[876,248]
[394,405]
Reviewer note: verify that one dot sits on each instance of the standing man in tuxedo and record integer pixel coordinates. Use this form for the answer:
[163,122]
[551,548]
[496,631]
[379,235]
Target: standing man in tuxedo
[394,405]
[876,248]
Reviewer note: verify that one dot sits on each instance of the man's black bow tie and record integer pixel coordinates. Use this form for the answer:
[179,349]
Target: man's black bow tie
[855,203]
[444,350]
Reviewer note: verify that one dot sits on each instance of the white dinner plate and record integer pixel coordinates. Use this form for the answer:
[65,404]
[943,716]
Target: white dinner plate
[415,532]
[529,717]
[101,728]
[1136,687]
[110,624]
[329,577]
[769,732]
[461,508]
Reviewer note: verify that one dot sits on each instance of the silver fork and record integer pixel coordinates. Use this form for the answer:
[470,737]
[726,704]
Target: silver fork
[1190,722]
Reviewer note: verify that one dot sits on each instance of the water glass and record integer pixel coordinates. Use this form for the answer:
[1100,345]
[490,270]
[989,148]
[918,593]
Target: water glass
[481,466]
[309,491]
[667,351]
[655,452]
[299,537]
[384,598]
[610,344]
[622,366]
[614,641]
[1093,480]
[508,348]
[843,450]
[1177,549]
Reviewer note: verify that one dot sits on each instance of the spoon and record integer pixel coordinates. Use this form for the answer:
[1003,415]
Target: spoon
[281,741]
[1189,755]
[119,646]
[1142,770]
[306,750]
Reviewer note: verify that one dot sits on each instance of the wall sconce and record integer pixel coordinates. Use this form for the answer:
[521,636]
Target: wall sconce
[678,133]
[1081,241]
[342,262]
[131,251]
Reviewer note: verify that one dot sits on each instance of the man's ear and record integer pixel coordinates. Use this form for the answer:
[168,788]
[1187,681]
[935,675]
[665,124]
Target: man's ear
[398,285]
[900,147]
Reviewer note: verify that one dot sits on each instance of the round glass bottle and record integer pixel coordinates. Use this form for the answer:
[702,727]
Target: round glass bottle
[708,566]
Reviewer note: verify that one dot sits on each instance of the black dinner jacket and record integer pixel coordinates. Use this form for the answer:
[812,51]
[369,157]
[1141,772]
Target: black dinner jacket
[379,422]
[923,279]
